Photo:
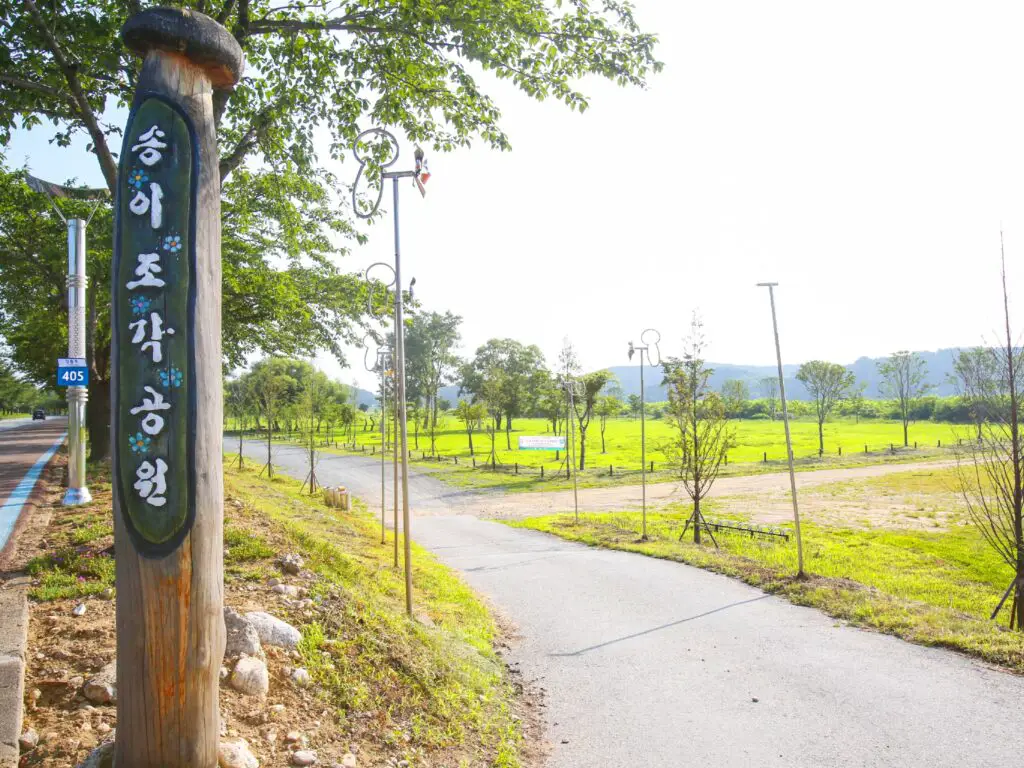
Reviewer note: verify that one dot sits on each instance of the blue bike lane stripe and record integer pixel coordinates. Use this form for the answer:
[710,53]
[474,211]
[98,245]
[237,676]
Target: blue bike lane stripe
[11,509]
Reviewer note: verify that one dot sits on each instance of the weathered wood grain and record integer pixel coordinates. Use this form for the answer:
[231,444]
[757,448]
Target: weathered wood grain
[170,625]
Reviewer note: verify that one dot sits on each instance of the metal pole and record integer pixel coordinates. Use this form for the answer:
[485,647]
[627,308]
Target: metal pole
[394,466]
[383,419]
[789,440]
[572,452]
[643,448]
[400,344]
[77,492]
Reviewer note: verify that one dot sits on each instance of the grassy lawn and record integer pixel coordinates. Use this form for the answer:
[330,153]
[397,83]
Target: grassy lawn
[929,587]
[431,690]
[620,463]
[754,438]
[14,416]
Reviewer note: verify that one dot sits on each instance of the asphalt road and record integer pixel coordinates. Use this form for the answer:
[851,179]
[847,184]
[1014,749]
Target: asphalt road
[650,663]
[25,448]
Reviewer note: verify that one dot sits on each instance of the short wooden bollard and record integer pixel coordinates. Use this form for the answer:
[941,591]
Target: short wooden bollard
[517,467]
[940,444]
[611,470]
[865,450]
[541,471]
[840,450]
[456,461]
[168,486]
[474,462]
[766,457]
[915,445]
[652,466]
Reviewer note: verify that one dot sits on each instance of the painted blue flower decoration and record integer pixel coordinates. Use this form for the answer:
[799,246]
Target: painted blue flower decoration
[139,304]
[139,443]
[172,243]
[172,378]
[137,178]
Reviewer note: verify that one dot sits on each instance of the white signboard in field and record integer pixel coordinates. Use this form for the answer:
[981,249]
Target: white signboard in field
[542,443]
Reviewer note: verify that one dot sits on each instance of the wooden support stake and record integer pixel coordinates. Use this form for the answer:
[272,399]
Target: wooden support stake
[168,486]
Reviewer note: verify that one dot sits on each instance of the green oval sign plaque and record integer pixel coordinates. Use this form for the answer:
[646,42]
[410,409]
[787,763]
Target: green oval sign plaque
[152,321]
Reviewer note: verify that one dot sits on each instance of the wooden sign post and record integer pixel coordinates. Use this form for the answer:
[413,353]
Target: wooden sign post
[166,397]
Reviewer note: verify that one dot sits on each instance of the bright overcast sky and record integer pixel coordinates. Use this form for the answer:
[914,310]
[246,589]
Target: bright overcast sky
[862,155]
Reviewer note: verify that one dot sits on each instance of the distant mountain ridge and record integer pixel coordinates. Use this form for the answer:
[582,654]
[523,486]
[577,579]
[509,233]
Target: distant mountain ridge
[939,363]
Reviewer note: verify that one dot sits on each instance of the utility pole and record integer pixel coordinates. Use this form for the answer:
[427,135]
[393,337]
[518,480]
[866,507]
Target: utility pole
[644,347]
[168,484]
[789,440]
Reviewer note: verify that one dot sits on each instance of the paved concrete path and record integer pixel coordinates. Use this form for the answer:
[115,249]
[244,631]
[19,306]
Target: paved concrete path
[651,663]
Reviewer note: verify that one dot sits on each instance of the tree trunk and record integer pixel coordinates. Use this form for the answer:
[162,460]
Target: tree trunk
[603,449]
[469,432]
[821,438]
[583,448]
[508,437]
[97,419]
[906,441]
[696,520]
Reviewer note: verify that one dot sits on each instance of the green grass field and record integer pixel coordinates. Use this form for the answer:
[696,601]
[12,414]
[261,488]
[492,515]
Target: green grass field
[753,440]
[931,587]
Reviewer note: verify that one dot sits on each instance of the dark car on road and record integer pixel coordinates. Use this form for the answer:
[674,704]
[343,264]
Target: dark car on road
[38,413]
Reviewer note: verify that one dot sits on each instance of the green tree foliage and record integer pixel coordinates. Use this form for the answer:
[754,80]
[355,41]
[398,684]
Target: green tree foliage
[470,414]
[827,383]
[523,375]
[770,392]
[607,407]
[735,396]
[16,394]
[338,66]
[702,436]
[977,378]
[585,405]
[430,361]
[905,380]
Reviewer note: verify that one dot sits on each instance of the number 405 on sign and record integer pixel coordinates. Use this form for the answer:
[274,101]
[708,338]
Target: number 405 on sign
[72,372]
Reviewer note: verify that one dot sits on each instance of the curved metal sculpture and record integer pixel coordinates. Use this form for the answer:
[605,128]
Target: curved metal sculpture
[381,164]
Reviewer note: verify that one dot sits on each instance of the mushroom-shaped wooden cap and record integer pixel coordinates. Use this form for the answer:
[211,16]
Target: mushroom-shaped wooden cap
[194,35]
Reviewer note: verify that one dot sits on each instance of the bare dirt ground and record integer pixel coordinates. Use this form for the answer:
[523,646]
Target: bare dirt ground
[764,497]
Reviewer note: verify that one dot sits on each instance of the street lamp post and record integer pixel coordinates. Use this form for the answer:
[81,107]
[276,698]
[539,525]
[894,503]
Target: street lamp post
[78,491]
[785,420]
[418,175]
[644,347]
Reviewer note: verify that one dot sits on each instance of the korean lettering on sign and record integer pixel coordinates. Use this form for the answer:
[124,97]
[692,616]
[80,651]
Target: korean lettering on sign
[153,315]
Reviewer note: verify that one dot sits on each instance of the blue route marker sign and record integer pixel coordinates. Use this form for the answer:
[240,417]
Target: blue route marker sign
[72,372]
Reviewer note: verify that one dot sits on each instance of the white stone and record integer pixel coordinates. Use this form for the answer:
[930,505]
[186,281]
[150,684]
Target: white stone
[348,761]
[102,688]
[242,637]
[236,754]
[300,677]
[285,589]
[79,610]
[273,631]
[28,740]
[250,677]
[291,563]
[304,757]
